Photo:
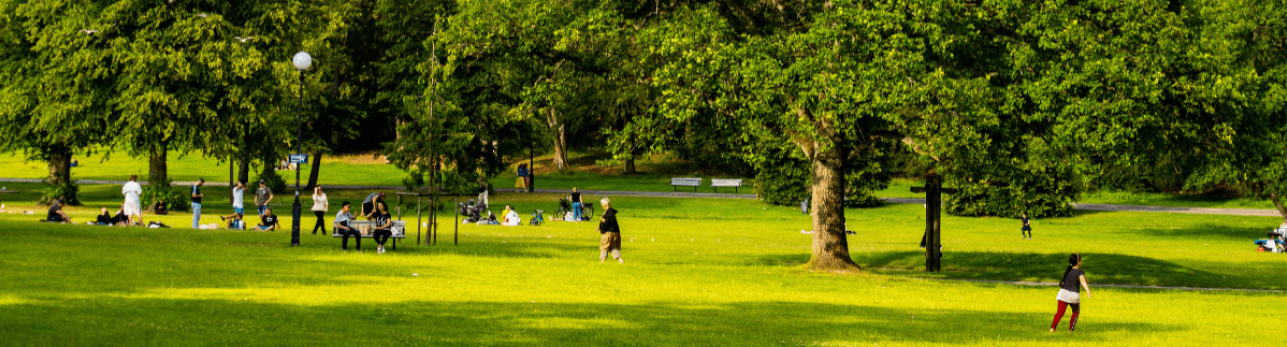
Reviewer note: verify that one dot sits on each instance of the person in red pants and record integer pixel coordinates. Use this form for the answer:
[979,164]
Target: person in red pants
[1069,292]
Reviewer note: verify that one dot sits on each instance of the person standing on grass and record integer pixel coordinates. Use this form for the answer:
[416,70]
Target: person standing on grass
[383,227]
[196,203]
[1027,228]
[263,196]
[1068,292]
[238,198]
[576,204]
[342,227]
[320,208]
[132,190]
[609,233]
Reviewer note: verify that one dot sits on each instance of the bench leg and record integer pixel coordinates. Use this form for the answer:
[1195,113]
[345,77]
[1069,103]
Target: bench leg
[395,244]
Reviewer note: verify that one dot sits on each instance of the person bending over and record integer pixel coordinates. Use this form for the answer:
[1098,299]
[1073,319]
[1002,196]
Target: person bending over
[268,221]
[56,213]
[342,227]
[383,227]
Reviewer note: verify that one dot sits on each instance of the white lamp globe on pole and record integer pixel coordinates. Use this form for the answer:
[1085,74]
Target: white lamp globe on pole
[302,61]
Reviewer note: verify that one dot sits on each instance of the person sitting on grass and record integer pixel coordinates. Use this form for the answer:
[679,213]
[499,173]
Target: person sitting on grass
[104,218]
[56,213]
[342,227]
[268,221]
[235,222]
[511,217]
[383,227]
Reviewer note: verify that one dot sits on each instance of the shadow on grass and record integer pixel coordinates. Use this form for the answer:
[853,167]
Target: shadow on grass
[1210,231]
[1100,268]
[204,322]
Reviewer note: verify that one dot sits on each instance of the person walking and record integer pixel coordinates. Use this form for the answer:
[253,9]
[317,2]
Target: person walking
[1069,292]
[132,190]
[196,203]
[576,204]
[238,198]
[342,227]
[609,233]
[263,196]
[320,208]
[1027,228]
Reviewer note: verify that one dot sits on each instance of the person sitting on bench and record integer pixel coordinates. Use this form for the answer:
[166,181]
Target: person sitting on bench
[383,227]
[56,213]
[342,227]
[235,222]
[268,221]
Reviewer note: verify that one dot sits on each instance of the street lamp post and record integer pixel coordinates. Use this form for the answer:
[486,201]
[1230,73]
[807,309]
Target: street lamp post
[302,62]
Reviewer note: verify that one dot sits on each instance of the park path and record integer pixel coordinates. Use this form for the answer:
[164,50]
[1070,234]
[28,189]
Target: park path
[704,195]
[1131,286]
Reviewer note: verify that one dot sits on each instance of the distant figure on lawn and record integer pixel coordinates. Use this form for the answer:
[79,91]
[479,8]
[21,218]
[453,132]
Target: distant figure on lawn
[1069,292]
[383,227]
[510,217]
[1027,228]
[132,190]
[524,177]
[56,213]
[369,205]
[196,203]
[575,198]
[105,218]
[342,227]
[609,233]
[268,221]
[320,207]
[238,198]
[263,196]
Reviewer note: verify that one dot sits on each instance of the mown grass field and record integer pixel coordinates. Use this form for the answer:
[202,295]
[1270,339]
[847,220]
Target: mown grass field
[698,273]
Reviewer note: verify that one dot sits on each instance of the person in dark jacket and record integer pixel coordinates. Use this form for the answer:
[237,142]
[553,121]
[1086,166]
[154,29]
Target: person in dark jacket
[609,233]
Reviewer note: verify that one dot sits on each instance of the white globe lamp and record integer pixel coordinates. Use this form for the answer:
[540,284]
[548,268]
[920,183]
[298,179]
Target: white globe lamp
[302,61]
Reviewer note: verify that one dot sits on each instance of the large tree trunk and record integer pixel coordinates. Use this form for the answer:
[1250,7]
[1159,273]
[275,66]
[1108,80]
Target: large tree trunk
[830,246]
[1278,203]
[157,171]
[60,170]
[312,174]
[243,170]
[561,150]
[629,165]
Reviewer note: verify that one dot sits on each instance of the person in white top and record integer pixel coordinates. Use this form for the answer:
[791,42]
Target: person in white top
[320,207]
[511,217]
[132,190]
[238,198]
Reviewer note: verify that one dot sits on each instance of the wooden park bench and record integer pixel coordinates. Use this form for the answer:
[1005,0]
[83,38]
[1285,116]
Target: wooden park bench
[365,227]
[726,182]
[694,182]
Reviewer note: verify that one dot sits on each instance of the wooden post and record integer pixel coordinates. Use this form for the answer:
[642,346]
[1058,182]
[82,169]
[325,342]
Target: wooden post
[933,190]
[418,200]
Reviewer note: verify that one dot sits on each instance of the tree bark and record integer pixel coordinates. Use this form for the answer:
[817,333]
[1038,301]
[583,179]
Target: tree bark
[561,150]
[830,245]
[157,171]
[243,172]
[312,174]
[60,170]
[1278,203]
[629,165]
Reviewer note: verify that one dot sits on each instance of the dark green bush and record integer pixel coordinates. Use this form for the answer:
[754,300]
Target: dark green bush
[271,179]
[67,191]
[163,192]
[1040,194]
[783,179]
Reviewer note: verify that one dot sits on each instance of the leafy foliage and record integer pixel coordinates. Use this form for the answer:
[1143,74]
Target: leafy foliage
[272,180]
[162,192]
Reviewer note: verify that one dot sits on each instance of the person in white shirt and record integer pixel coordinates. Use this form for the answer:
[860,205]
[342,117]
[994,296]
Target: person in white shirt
[320,207]
[511,217]
[238,198]
[132,190]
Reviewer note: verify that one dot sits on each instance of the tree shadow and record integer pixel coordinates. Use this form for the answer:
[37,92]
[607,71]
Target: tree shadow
[477,323]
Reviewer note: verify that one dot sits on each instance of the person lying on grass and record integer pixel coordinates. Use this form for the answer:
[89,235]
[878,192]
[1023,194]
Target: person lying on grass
[268,221]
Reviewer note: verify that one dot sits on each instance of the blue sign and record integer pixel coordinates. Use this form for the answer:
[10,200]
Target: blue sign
[299,158]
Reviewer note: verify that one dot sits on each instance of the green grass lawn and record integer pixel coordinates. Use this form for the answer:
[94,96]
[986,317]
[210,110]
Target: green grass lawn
[698,273]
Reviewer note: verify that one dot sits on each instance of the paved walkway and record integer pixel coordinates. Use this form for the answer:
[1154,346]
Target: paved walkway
[1055,284]
[1076,206]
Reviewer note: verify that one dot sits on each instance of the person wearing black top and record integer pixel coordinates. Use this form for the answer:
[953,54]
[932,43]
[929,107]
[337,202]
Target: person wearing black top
[104,218]
[1027,228]
[268,221]
[609,233]
[56,213]
[383,227]
[196,203]
[1069,294]
[576,204]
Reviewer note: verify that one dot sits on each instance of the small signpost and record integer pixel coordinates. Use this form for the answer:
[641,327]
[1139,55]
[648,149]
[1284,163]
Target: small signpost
[299,158]
[933,190]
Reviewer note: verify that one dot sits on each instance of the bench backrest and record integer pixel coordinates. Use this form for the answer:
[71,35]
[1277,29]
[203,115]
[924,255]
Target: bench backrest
[365,226]
[686,181]
[726,182]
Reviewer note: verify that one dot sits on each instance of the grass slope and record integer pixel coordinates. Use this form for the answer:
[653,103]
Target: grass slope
[698,272]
